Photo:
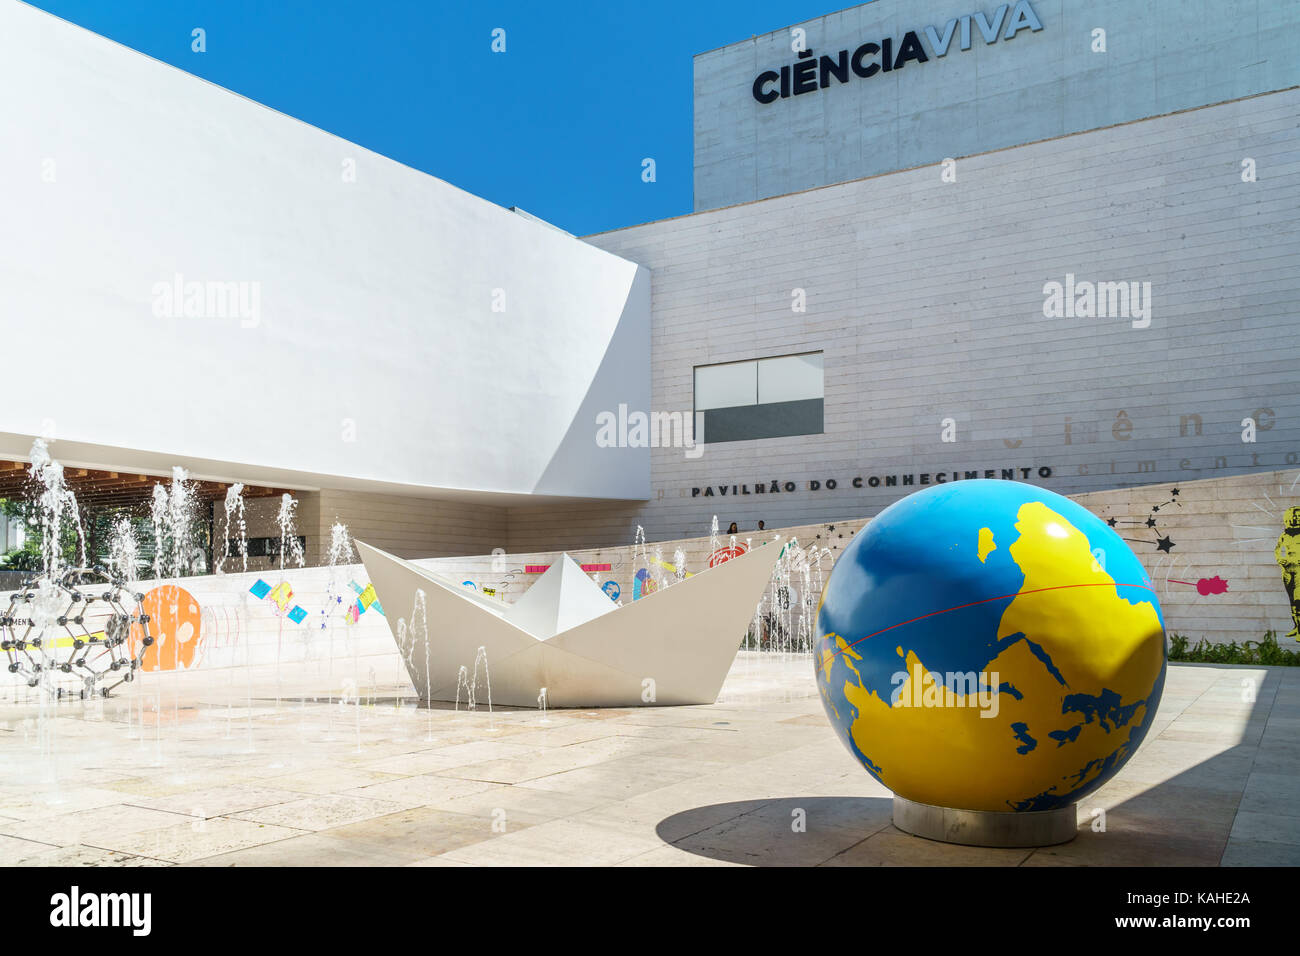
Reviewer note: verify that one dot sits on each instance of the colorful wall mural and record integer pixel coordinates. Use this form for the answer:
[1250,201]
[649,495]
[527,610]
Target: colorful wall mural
[280,597]
[1151,534]
[1287,555]
[726,553]
[176,622]
[1224,553]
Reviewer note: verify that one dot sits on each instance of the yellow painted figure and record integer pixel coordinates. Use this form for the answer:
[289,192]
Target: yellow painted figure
[1287,553]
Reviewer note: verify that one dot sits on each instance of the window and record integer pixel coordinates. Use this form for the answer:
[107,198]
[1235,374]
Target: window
[263,547]
[761,398]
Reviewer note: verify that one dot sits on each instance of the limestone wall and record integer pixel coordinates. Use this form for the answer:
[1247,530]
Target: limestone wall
[927,300]
[1221,530]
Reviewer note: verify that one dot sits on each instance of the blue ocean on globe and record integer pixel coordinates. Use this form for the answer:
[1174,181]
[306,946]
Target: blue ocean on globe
[990,645]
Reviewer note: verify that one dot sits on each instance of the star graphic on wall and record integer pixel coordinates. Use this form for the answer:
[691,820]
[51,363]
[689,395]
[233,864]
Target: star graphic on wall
[1162,542]
[1165,544]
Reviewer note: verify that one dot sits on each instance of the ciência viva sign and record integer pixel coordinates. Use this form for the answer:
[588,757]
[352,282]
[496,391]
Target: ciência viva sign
[810,73]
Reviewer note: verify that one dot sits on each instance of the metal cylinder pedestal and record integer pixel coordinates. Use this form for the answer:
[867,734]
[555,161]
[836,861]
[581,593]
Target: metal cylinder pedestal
[984,827]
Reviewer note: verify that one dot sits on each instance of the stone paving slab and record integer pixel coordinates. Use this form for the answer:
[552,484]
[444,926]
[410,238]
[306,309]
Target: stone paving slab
[193,773]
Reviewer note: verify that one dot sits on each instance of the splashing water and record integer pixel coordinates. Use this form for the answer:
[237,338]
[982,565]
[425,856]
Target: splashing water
[173,513]
[289,543]
[236,527]
[340,550]
[339,555]
[409,636]
[56,504]
[487,677]
[403,645]
[462,680]
[783,606]
[640,557]
[181,514]
[785,618]
[123,550]
[158,518]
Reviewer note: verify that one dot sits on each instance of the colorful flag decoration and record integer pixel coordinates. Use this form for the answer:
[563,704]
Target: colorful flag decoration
[282,595]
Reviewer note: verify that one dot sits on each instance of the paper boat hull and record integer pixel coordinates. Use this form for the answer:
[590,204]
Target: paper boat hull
[673,646]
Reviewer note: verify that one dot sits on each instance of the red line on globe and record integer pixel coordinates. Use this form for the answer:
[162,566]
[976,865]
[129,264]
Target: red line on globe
[960,607]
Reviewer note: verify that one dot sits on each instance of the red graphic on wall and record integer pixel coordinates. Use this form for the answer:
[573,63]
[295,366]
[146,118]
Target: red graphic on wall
[1206,586]
[543,568]
[726,553]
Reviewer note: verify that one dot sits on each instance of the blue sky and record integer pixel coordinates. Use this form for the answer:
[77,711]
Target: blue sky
[557,125]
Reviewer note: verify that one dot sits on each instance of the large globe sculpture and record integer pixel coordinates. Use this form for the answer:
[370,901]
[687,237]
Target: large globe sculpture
[990,646]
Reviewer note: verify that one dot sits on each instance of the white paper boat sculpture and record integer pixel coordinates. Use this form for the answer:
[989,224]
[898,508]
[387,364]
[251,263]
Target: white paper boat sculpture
[673,646]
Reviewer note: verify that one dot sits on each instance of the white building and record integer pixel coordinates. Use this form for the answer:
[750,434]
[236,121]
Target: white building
[1020,257]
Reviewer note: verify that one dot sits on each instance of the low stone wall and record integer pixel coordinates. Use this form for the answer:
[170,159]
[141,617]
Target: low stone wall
[1211,550]
[12,579]
[1209,545]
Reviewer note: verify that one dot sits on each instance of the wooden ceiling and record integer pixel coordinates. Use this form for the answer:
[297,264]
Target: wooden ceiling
[96,490]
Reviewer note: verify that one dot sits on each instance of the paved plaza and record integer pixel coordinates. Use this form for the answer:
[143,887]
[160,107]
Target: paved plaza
[235,768]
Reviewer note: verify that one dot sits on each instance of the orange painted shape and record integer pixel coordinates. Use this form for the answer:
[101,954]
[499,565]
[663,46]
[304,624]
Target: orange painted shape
[175,622]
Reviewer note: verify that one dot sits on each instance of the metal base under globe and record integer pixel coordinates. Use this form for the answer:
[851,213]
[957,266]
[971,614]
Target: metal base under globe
[984,827]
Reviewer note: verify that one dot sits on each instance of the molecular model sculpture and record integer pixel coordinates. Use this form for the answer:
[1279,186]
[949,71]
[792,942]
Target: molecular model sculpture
[72,634]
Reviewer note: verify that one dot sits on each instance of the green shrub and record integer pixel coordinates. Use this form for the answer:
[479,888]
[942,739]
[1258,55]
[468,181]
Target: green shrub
[1265,651]
[21,559]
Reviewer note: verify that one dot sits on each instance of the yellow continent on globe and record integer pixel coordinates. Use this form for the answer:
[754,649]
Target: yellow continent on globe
[1098,642]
